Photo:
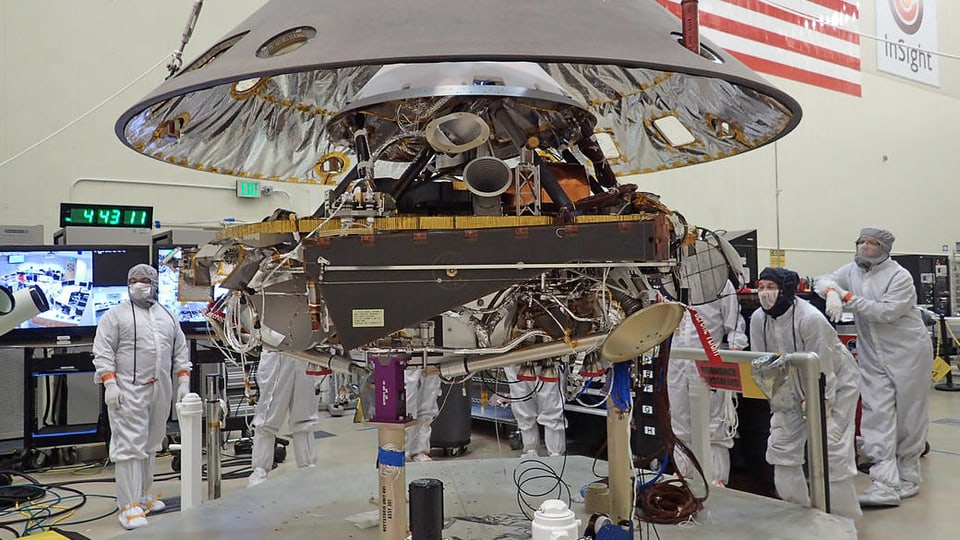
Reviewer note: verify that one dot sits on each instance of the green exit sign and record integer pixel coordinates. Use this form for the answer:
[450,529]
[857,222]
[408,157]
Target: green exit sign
[248,188]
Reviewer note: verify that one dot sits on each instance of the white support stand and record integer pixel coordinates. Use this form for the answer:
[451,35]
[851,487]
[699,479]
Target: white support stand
[700,426]
[190,416]
[620,463]
[392,487]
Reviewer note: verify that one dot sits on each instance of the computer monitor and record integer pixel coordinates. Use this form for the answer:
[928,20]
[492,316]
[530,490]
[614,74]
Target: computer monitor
[80,282]
[186,301]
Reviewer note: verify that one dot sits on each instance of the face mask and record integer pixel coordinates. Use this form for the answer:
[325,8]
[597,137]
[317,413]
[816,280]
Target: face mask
[768,298]
[141,292]
[869,255]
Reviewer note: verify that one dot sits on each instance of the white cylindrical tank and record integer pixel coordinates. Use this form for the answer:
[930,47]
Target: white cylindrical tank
[554,521]
[190,416]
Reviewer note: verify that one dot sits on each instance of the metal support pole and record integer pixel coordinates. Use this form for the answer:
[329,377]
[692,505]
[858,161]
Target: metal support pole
[620,463]
[700,426]
[212,393]
[809,367]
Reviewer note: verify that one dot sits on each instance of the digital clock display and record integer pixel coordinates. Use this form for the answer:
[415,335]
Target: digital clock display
[105,215]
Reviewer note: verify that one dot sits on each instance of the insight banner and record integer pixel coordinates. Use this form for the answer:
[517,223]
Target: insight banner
[908,36]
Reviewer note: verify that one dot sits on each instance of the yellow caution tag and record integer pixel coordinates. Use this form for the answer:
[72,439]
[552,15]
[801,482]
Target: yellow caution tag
[940,369]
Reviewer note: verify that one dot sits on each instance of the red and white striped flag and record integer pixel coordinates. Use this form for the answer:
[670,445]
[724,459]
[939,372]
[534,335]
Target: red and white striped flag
[811,41]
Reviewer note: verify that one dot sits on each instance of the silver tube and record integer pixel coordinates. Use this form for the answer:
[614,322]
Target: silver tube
[482,350]
[329,361]
[468,351]
[540,351]
[212,406]
[808,365]
[739,357]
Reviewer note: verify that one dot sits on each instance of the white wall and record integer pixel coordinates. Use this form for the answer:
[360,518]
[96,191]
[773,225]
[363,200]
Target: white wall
[62,58]
[880,160]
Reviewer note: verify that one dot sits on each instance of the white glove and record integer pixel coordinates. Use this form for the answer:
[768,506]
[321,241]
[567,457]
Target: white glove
[183,387]
[820,286]
[843,293]
[111,394]
[834,306]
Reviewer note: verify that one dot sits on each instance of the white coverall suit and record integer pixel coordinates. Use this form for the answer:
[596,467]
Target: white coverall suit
[544,406]
[145,348]
[896,357]
[422,393]
[722,319]
[803,328]
[286,387]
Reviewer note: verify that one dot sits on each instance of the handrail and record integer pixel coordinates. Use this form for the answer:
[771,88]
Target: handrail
[808,364]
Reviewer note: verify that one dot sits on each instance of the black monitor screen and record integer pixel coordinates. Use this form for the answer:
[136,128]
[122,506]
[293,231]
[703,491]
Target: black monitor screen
[110,266]
[80,283]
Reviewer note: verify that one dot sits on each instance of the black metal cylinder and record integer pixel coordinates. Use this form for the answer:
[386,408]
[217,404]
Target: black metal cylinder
[426,509]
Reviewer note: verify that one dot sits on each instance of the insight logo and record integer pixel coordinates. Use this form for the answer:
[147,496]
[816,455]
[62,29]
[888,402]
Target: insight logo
[908,14]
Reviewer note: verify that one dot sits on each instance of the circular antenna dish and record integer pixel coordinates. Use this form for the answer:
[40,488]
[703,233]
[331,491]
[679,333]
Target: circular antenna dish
[642,331]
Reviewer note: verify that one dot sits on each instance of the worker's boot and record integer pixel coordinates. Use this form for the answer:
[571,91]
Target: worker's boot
[879,495]
[791,484]
[132,517]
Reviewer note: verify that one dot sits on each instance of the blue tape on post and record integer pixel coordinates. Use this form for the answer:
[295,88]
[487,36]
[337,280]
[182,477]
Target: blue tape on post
[391,458]
[620,392]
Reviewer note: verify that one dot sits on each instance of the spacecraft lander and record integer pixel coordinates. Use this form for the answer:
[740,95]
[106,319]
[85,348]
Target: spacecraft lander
[477,213]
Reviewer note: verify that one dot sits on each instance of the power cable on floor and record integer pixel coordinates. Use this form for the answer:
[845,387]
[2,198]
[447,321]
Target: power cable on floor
[535,470]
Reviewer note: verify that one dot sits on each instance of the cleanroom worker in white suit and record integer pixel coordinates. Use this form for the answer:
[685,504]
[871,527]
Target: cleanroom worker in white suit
[138,351]
[422,393]
[536,400]
[786,324]
[721,319]
[286,388]
[896,357]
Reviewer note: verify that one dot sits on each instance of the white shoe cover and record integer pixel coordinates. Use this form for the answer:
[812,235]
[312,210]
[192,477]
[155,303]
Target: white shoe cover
[791,484]
[152,504]
[843,499]
[132,518]
[879,495]
[258,476]
[908,489]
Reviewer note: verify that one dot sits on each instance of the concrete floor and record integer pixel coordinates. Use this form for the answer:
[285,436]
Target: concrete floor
[343,484]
